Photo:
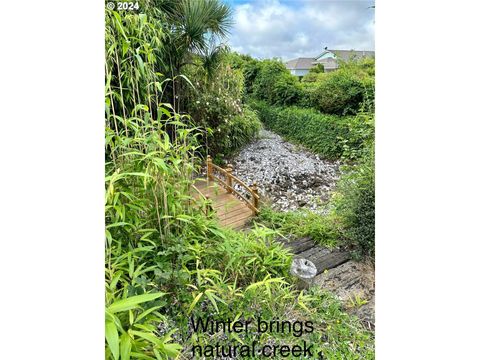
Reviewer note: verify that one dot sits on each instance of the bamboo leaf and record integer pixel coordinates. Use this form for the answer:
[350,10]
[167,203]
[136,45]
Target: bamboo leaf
[111,335]
[132,302]
[195,301]
[125,346]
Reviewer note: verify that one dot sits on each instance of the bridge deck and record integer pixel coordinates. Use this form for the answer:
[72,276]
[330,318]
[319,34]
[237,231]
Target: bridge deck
[231,211]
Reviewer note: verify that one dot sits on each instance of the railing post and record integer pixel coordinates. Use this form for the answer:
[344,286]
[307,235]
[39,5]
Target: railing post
[209,168]
[229,171]
[255,198]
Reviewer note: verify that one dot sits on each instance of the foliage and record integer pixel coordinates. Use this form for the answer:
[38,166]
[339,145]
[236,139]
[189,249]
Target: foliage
[355,204]
[317,69]
[312,77]
[345,91]
[236,132]
[195,27]
[275,84]
[338,93]
[318,132]
[216,105]
[251,70]
[132,45]
[323,229]
[361,136]
[213,100]
[164,258]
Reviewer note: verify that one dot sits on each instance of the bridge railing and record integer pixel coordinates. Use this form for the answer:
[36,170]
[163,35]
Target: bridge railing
[224,177]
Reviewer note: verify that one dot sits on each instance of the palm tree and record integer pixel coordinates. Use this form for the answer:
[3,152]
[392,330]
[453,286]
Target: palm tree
[194,28]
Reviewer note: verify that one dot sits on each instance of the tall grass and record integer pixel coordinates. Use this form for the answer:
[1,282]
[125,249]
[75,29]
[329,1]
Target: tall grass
[149,152]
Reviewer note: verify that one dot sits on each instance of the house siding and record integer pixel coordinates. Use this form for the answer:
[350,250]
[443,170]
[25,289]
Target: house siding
[299,72]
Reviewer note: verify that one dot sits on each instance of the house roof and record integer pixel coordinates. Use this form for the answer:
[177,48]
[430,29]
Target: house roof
[300,64]
[304,63]
[348,54]
[328,63]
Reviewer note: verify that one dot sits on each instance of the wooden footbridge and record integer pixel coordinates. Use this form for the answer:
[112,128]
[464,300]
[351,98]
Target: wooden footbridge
[232,201]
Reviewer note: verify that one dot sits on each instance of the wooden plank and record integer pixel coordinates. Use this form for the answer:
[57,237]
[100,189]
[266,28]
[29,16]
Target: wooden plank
[213,190]
[329,261]
[300,245]
[239,216]
[234,212]
[230,217]
[224,200]
[230,210]
[313,252]
[239,223]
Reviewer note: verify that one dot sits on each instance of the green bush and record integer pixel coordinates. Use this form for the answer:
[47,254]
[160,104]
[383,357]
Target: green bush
[317,69]
[215,104]
[313,77]
[275,84]
[236,132]
[318,132]
[340,93]
[355,205]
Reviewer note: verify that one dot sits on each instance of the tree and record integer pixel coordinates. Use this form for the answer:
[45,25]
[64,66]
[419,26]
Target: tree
[194,28]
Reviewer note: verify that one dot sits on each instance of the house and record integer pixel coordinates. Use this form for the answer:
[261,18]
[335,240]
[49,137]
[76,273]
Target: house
[328,58]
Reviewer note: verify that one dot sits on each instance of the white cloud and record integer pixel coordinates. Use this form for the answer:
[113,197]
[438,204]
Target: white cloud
[289,29]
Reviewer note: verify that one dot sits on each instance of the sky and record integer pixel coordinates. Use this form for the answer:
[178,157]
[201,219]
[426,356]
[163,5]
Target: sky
[300,28]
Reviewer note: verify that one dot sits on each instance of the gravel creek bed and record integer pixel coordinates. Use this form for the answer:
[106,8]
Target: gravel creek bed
[290,178]
[287,175]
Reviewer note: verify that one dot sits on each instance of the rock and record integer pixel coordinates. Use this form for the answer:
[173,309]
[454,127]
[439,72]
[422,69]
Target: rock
[304,270]
[279,167]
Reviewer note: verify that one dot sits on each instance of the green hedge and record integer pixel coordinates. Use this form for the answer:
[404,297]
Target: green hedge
[274,84]
[355,204]
[318,132]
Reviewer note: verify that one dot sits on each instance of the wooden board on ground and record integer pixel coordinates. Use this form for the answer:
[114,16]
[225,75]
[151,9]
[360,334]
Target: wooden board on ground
[322,257]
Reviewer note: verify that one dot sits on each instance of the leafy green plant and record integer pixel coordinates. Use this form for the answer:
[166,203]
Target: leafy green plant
[318,132]
[130,329]
[217,107]
[319,68]
[165,260]
[274,84]
[339,93]
[323,229]
[236,132]
[355,204]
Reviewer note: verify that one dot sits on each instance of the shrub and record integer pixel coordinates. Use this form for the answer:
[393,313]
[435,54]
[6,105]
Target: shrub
[216,105]
[275,84]
[339,93]
[235,132]
[317,69]
[318,132]
[213,99]
[355,205]
[312,77]
[361,135]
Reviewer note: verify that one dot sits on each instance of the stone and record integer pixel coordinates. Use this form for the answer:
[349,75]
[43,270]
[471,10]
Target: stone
[279,167]
[304,270]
